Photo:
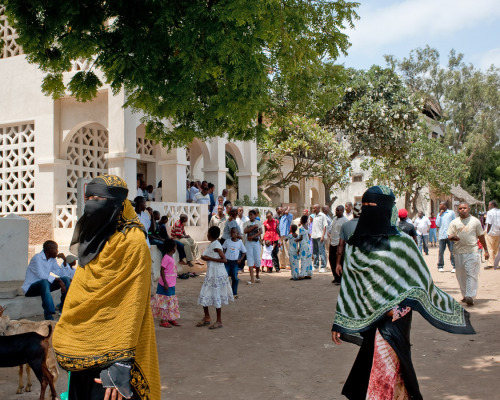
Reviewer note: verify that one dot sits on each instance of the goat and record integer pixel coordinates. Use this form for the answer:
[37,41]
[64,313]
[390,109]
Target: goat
[12,327]
[32,349]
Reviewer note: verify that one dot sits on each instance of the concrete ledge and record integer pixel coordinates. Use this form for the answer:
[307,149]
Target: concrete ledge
[26,307]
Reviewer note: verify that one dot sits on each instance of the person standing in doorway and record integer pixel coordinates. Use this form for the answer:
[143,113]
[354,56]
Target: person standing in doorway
[465,231]
[318,234]
[493,231]
[443,221]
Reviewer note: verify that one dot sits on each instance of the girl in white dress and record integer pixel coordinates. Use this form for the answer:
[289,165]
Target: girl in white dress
[216,289]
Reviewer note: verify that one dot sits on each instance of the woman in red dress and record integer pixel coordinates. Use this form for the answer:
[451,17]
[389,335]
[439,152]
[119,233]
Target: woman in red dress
[271,234]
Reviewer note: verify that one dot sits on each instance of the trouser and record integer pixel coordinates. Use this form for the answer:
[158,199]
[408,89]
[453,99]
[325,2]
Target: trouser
[332,257]
[397,335]
[283,254]
[442,248]
[43,288]
[492,242]
[241,265]
[232,272]
[319,253]
[432,235]
[423,240]
[190,248]
[159,244]
[467,271]
[274,254]
[180,250]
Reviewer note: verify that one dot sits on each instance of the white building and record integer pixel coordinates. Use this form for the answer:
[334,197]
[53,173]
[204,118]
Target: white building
[46,145]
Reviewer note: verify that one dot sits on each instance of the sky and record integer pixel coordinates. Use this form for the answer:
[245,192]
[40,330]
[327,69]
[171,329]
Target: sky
[396,27]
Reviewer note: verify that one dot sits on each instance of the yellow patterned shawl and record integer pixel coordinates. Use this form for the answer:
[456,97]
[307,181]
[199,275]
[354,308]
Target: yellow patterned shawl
[107,316]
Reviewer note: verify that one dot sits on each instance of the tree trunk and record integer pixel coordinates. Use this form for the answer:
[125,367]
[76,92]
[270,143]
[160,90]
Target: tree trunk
[329,200]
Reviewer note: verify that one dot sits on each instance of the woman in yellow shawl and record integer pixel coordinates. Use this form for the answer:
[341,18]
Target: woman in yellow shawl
[105,335]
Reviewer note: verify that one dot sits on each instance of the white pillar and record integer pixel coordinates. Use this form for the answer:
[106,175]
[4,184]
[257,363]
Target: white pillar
[247,185]
[215,168]
[122,157]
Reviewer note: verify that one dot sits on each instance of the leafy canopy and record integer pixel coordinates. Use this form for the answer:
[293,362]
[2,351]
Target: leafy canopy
[207,66]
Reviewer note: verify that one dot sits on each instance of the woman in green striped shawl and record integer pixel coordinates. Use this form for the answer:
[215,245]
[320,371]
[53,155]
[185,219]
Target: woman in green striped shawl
[384,279]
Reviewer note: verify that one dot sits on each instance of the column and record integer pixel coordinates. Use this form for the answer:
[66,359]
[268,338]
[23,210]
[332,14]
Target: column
[122,157]
[248,185]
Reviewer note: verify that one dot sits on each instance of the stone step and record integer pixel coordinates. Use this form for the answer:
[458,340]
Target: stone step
[8,293]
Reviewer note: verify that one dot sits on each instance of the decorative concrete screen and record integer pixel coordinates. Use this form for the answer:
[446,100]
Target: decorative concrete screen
[145,147]
[86,155]
[17,169]
[9,36]
[188,167]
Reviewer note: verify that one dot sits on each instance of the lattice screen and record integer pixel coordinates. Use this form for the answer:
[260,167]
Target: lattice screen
[17,168]
[188,167]
[9,36]
[86,155]
[145,147]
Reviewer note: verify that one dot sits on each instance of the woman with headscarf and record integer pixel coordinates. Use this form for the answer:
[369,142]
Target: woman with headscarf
[384,279]
[105,335]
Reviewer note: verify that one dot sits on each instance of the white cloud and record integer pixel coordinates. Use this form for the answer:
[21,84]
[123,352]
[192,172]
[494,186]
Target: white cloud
[490,57]
[424,19]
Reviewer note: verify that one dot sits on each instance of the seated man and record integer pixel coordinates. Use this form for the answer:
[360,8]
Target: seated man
[44,275]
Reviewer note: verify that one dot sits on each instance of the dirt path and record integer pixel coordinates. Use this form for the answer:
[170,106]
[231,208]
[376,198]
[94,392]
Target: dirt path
[276,344]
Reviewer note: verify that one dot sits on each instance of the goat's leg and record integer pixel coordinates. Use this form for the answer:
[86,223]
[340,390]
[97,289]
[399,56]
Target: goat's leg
[43,385]
[28,378]
[49,379]
[21,385]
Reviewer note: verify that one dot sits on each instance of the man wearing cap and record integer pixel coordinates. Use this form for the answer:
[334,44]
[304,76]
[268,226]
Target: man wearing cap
[405,226]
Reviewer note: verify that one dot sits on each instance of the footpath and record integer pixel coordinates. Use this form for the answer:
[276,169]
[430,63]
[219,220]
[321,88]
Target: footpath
[276,344]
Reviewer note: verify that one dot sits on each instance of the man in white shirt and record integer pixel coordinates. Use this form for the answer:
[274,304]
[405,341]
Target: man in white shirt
[334,233]
[202,197]
[465,231]
[422,225]
[144,216]
[193,190]
[348,212]
[241,219]
[318,234]
[44,275]
[492,231]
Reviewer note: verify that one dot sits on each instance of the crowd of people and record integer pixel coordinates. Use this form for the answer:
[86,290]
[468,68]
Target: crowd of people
[375,259]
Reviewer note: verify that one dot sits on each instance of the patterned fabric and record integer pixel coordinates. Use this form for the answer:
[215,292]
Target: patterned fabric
[177,230]
[386,382]
[107,315]
[293,255]
[270,230]
[375,282]
[216,289]
[165,307]
[305,253]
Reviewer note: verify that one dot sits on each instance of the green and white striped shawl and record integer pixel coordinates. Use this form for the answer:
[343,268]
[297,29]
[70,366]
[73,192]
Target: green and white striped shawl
[373,283]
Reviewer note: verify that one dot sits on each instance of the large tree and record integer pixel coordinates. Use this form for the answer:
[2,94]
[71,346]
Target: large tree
[311,150]
[466,102]
[208,66]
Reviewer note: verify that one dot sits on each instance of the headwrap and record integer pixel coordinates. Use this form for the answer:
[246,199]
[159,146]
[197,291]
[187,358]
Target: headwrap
[106,319]
[356,210]
[376,223]
[101,218]
[402,213]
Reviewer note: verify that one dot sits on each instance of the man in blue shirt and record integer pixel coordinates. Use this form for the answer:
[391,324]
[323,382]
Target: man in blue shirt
[443,222]
[286,219]
[44,275]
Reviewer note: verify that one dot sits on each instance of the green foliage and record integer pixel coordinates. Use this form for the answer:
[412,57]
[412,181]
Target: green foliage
[232,170]
[208,66]
[377,113]
[465,100]
[312,150]
[261,201]
[427,162]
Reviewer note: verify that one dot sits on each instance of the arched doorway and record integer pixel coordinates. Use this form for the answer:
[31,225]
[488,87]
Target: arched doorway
[314,196]
[85,153]
[294,195]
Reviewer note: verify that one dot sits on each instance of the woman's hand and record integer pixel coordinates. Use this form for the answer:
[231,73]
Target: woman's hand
[111,393]
[336,337]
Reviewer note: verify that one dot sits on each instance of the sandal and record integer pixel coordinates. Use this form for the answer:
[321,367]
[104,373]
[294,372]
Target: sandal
[165,325]
[215,326]
[202,323]
[174,323]
[193,274]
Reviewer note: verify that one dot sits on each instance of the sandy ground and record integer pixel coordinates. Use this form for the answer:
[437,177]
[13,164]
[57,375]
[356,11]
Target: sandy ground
[276,344]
